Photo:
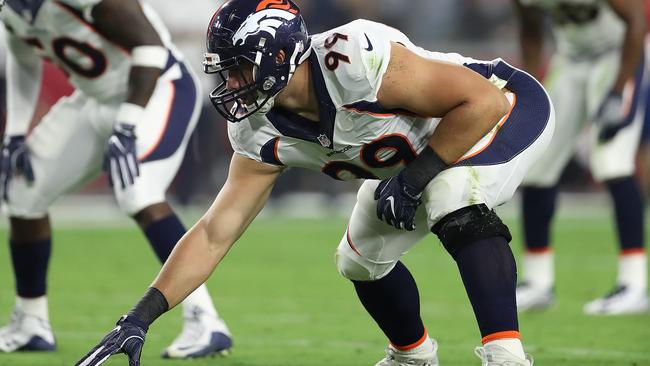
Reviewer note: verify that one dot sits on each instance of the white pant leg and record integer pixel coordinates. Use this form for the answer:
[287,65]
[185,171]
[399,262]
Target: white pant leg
[370,248]
[493,185]
[615,158]
[566,85]
[163,134]
[66,152]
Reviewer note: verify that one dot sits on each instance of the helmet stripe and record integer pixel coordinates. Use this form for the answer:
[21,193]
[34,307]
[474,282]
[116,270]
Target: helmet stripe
[276,4]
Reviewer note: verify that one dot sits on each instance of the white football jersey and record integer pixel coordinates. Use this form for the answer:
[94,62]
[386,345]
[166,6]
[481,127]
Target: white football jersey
[583,28]
[355,137]
[62,31]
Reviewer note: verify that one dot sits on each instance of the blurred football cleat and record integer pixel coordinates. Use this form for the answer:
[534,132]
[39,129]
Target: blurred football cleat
[494,355]
[621,300]
[26,333]
[531,297]
[203,335]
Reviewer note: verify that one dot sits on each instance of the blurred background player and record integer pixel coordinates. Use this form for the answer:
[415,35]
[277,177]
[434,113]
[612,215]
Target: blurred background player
[595,76]
[644,148]
[438,140]
[135,106]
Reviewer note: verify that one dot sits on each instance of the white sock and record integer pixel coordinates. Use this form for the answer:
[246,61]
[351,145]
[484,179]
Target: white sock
[512,345]
[201,298]
[538,269]
[633,270]
[36,306]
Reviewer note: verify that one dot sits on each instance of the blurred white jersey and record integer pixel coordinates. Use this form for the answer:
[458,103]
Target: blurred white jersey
[356,137]
[62,31]
[68,145]
[583,28]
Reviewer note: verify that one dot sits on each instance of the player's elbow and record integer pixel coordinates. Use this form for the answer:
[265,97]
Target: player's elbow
[492,104]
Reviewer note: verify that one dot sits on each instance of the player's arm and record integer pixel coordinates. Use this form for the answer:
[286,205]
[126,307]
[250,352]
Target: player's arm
[631,12]
[24,70]
[468,104]
[611,116]
[469,107]
[531,37]
[124,23]
[148,53]
[194,257]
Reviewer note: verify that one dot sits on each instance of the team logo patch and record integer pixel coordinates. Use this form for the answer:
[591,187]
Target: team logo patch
[267,20]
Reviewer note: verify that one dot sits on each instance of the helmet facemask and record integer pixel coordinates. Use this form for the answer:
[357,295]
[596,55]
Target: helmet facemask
[257,93]
[250,97]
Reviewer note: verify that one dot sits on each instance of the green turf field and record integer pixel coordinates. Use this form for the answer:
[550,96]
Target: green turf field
[287,305]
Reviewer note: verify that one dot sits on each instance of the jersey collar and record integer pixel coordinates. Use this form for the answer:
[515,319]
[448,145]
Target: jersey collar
[292,125]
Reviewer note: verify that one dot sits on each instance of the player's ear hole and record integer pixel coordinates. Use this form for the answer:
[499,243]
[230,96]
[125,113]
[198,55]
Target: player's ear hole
[279,59]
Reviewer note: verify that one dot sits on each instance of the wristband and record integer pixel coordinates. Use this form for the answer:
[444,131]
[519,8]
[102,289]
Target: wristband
[152,305]
[129,113]
[424,168]
[149,56]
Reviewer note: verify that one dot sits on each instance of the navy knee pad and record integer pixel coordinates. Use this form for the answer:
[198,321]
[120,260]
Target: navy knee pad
[468,225]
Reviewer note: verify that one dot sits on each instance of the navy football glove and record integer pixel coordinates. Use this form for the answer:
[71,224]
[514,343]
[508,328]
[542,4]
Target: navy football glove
[610,116]
[121,160]
[127,337]
[397,202]
[15,161]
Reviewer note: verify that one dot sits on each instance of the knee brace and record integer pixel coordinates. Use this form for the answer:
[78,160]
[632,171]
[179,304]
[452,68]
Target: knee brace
[468,225]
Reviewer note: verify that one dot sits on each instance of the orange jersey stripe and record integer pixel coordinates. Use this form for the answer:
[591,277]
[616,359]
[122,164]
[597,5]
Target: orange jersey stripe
[370,113]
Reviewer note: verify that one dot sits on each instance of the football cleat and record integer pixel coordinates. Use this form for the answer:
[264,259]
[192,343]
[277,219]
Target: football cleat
[203,335]
[493,355]
[26,333]
[531,297]
[621,300]
[395,357]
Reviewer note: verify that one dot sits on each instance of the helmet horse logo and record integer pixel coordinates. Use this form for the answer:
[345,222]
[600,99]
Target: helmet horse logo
[268,17]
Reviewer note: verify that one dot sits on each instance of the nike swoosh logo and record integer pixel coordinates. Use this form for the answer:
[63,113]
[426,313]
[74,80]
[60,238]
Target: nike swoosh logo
[392,203]
[369,48]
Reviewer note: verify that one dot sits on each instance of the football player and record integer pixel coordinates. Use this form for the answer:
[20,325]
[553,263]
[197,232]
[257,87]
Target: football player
[439,140]
[133,110]
[595,76]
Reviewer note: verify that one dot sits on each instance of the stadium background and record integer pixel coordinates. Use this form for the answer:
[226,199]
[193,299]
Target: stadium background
[287,320]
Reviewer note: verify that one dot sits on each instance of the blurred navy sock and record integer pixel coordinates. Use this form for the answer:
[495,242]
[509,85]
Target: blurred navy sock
[538,207]
[164,234]
[30,261]
[628,207]
[489,273]
[394,302]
